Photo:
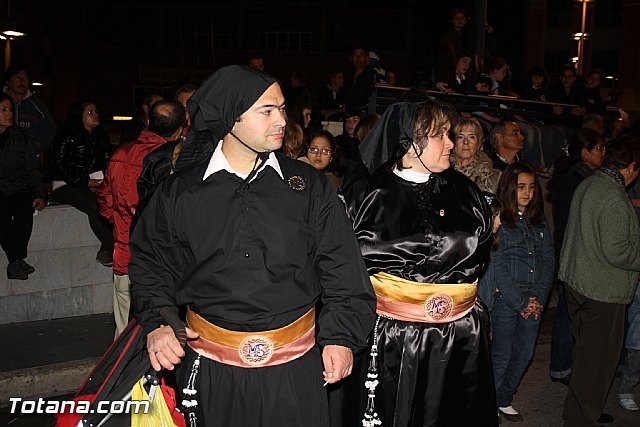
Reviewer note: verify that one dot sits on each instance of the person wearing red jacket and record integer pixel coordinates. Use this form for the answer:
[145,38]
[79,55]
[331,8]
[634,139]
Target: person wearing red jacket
[118,194]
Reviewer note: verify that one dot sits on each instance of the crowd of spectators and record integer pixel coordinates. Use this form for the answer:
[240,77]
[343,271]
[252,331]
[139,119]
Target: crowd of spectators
[504,153]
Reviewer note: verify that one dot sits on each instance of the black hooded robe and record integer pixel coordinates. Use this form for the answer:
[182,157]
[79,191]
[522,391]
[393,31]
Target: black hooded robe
[431,374]
[251,258]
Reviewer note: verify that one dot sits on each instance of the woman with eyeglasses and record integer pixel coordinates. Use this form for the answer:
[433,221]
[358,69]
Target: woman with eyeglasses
[79,157]
[322,154]
[21,191]
[585,154]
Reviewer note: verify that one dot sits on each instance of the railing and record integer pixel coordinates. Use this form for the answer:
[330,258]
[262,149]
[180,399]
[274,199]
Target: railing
[506,107]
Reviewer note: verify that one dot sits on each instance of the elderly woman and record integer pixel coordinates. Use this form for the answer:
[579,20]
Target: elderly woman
[21,191]
[425,235]
[599,265]
[468,158]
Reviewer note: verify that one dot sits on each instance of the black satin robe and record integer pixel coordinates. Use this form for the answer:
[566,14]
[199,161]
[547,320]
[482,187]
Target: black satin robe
[438,232]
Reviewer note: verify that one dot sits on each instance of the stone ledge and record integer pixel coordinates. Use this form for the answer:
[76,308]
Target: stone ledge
[44,381]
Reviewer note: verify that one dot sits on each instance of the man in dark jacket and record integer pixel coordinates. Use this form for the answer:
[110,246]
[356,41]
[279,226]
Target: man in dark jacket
[359,85]
[30,113]
[21,191]
[118,194]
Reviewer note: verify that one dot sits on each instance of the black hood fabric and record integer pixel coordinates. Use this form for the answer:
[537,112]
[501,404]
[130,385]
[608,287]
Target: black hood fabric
[391,137]
[224,97]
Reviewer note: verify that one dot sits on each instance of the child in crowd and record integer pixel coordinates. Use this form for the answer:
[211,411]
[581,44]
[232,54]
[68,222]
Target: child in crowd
[517,281]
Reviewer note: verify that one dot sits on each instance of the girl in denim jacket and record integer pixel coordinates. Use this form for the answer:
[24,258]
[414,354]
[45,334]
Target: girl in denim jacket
[517,281]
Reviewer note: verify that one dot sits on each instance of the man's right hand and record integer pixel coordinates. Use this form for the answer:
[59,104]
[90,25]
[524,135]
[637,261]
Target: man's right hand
[164,349]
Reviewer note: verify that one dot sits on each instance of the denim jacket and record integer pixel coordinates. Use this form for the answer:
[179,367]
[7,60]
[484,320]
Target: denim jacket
[522,266]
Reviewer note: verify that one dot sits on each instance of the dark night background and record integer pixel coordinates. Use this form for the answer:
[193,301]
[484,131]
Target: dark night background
[116,50]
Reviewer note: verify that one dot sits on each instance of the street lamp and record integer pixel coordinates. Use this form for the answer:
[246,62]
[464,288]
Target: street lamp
[582,35]
[8,32]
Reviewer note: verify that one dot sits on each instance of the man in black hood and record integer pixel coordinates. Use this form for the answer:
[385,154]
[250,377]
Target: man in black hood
[249,241]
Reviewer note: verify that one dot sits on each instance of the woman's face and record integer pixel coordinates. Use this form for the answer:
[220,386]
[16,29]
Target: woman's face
[466,145]
[594,157]
[6,115]
[435,155]
[496,222]
[526,190]
[319,152]
[90,118]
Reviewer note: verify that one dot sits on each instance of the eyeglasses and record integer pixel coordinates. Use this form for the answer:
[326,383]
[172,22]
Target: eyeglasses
[316,150]
[600,147]
[92,112]
[6,110]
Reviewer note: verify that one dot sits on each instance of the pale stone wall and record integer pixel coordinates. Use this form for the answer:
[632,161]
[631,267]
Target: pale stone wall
[68,281]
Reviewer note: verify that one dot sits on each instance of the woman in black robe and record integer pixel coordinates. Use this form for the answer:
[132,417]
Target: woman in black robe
[425,233]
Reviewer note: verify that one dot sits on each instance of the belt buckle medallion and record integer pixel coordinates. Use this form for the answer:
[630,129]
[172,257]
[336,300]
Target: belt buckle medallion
[256,350]
[438,306]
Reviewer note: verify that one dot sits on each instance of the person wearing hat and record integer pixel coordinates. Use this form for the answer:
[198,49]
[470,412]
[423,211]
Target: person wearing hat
[248,241]
[425,232]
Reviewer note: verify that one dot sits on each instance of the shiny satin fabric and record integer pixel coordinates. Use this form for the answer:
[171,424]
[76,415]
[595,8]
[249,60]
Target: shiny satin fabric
[436,374]
[436,232]
[422,302]
[439,232]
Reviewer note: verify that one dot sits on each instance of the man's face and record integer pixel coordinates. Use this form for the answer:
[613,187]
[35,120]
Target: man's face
[306,117]
[459,20]
[256,64]
[537,80]
[359,59]
[262,125]
[463,64]
[19,83]
[567,78]
[337,80]
[512,139]
[594,80]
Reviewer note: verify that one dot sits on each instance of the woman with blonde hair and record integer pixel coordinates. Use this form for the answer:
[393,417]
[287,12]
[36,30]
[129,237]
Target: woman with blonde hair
[467,155]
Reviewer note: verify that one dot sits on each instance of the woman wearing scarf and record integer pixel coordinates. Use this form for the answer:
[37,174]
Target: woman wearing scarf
[425,234]
[599,265]
[467,155]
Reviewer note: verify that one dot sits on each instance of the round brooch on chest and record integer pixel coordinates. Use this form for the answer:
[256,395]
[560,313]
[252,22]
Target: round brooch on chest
[256,350]
[297,183]
[438,306]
